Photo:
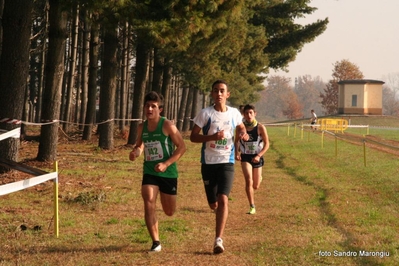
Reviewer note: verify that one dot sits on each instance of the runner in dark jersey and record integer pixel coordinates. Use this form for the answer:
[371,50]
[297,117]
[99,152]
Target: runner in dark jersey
[250,152]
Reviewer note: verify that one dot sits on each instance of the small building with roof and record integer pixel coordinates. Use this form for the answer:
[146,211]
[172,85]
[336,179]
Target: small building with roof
[360,96]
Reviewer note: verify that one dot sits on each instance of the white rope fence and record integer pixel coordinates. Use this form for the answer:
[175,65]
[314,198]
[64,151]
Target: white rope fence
[49,122]
[27,183]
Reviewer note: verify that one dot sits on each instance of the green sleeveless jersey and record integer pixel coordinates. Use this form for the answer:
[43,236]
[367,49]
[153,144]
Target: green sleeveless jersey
[157,148]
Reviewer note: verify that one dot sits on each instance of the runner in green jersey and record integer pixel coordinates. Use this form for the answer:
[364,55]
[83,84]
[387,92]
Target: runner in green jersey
[163,145]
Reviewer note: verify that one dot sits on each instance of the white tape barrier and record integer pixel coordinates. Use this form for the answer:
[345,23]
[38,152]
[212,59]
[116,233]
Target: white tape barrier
[20,185]
[15,133]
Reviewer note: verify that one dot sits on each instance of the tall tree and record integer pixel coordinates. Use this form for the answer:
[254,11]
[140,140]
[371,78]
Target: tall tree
[285,37]
[85,67]
[72,62]
[92,80]
[188,109]
[53,81]
[142,58]
[14,68]
[342,70]
[124,69]
[108,88]
[182,107]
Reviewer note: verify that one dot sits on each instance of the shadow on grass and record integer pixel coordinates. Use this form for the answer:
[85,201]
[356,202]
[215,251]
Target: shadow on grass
[324,205]
[196,210]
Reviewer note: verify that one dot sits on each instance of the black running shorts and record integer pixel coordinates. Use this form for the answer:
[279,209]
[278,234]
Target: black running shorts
[248,158]
[218,179]
[166,185]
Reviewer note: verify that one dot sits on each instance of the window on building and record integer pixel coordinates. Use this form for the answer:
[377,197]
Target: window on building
[354,100]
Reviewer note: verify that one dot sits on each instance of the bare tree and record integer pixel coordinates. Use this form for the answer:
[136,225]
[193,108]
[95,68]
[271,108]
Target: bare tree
[390,103]
[308,91]
[392,81]
[274,97]
[293,108]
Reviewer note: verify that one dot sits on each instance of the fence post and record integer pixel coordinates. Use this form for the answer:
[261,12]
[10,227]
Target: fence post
[55,186]
[336,146]
[322,139]
[364,151]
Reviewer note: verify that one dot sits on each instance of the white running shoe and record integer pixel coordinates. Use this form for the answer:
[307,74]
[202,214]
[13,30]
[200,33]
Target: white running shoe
[156,247]
[218,248]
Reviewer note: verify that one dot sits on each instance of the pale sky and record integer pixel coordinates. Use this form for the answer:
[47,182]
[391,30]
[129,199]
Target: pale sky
[365,32]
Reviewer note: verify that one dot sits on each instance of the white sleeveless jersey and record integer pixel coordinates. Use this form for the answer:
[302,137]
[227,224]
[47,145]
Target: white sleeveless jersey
[212,121]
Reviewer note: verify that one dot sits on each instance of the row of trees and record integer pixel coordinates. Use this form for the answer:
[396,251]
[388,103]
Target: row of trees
[281,100]
[59,57]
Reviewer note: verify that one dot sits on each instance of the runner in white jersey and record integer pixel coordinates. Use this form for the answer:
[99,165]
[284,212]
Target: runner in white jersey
[212,122]
[218,124]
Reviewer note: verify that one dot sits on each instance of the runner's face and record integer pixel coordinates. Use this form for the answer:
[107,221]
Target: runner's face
[152,109]
[220,93]
[249,115]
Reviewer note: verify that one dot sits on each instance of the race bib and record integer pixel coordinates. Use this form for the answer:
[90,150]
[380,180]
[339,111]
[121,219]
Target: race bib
[153,151]
[222,144]
[250,147]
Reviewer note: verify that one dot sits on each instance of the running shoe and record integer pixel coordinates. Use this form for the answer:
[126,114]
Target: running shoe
[156,247]
[252,210]
[218,248]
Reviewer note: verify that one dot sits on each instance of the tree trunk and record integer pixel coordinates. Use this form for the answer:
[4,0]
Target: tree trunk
[92,82]
[129,89]
[85,68]
[189,104]
[194,107]
[14,69]
[1,23]
[78,82]
[108,89]
[72,68]
[157,73]
[142,57]
[182,108]
[53,82]
[166,90]
[124,72]
[176,97]
[40,84]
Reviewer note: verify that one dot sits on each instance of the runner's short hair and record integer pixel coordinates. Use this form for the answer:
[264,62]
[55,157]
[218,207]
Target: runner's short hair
[219,81]
[154,97]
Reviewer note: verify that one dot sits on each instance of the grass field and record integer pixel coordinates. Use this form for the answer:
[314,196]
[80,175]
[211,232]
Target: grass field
[316,206]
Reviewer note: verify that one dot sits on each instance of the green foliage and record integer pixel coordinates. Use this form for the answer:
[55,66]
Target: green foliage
[285,37]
